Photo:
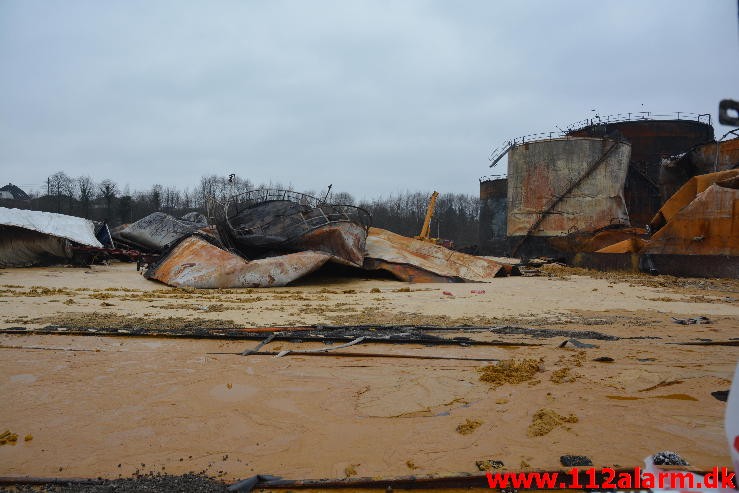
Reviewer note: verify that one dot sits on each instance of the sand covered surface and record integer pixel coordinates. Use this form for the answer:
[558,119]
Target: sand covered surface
[109,406]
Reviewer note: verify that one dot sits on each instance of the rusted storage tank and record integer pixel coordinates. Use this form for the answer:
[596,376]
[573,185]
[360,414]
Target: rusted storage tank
[562,186]
[493,216]
[651,141]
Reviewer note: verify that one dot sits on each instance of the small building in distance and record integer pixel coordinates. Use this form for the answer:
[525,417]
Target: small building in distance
[12,192]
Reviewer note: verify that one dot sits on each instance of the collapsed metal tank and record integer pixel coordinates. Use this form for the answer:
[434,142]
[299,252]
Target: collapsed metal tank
[651,140]
[493,223]
[263,222]
[562,186]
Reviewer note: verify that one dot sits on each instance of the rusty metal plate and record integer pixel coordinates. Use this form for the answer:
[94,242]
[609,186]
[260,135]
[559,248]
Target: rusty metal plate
[686,194]
[196,263]
[420,261]
[708,225]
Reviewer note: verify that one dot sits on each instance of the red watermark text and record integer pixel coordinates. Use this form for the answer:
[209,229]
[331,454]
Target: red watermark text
[607,478]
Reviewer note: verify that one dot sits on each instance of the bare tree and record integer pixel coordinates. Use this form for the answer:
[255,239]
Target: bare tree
[85,192]
[59,185]
[108,191]
[155,197]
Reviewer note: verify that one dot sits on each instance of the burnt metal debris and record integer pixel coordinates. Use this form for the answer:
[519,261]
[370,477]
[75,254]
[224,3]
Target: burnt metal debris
[196,262]
[613,213]
[270,238]
[266,220]
[158,230]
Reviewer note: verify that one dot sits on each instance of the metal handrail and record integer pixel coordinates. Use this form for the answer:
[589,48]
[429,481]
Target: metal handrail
[498,152]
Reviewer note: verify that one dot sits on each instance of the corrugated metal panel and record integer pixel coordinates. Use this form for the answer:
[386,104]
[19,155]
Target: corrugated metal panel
[541,172]
[420,261]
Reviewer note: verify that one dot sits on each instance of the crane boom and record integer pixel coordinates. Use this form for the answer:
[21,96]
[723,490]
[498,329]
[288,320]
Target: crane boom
[427,221]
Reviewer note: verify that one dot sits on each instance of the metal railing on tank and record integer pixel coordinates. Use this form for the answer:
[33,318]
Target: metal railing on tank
[500,151]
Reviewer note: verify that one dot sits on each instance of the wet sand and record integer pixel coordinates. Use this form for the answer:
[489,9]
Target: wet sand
[104,406]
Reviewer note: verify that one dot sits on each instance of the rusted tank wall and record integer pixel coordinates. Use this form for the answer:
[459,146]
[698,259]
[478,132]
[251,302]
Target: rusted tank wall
[651,141]
[493,222]
[538,172]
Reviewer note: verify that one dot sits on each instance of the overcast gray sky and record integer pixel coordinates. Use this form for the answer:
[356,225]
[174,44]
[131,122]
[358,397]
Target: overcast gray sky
[373,96]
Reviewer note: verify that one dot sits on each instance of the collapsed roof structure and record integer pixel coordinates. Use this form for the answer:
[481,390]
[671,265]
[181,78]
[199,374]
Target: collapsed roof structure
[34,238]
[13,192]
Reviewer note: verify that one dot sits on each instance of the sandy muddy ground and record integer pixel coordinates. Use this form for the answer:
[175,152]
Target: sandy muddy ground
[104,406]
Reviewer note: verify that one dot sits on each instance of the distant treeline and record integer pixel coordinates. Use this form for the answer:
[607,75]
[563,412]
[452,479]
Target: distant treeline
[455,217]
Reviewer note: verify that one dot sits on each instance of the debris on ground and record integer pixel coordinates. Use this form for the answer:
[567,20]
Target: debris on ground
[562,375]
[150,483]
[546,420]
[575,460]
[489,465]
[8,437]
[576,343]
[468,426]
[690,321]
[510,372]
[668,458]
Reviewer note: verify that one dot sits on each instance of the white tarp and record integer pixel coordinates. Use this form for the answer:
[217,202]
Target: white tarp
[72,228]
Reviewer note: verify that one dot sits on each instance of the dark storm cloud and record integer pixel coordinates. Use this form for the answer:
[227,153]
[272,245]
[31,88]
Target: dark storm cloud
[373,97]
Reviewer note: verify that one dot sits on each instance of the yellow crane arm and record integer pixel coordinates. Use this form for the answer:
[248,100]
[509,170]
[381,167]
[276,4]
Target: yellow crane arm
[429,213]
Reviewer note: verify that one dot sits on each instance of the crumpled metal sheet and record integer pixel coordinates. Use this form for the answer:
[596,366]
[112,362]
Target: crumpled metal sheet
[345,242]
[420,261]
[23,248]
[75,229]
[686,194]
[196,263]
[158,230]
[708,225]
